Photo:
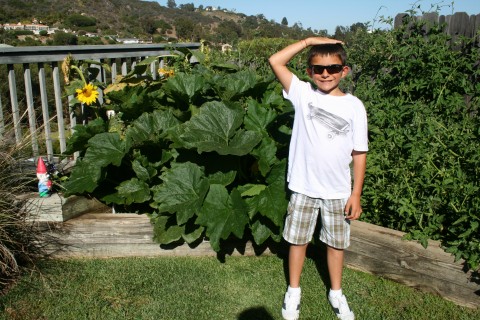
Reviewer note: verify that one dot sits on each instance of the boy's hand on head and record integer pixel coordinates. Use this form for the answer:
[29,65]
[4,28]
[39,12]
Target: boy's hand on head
[353,209]
[321,40]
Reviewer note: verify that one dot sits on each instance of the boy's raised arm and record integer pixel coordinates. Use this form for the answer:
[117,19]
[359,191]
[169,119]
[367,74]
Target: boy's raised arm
[278,61]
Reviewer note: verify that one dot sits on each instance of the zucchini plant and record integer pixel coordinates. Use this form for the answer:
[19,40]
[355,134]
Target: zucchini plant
[202,152]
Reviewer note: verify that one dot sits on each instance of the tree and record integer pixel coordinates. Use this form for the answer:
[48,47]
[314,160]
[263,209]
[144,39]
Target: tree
[171,4]
[228,31]
[284,21]
[250,22]
[78,20]
[162,26]
[340,32]
[358,26]
[148,24]
[62,38]
[188,7]
[184,28]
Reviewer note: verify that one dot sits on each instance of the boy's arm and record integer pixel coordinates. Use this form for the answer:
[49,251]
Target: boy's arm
[279,60]
[353,209]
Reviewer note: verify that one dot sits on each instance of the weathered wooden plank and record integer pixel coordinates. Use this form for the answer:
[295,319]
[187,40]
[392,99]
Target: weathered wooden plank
[45,112]
[57,208]
[59,106]
[107,235]
[382,252]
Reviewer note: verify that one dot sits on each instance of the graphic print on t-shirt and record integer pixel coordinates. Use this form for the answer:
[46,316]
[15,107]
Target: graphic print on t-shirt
[336,125]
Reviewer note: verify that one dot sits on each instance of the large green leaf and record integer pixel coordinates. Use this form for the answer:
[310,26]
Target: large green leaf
[165,230]
[132,101]
[234,85]
[216,127]
[104,149]
[222,178]
[134,191]
[258,116]
[81,134]
[266,153]
[150,127]
[273,98]
[260,232]
[272,202]
[83,179]
[182,192]
[184,88]
[192,235]
[142,173]
[250,190]
[222,215]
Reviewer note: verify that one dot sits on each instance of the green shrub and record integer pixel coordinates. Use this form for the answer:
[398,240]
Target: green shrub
[22,32]
[64,39]
[423,100]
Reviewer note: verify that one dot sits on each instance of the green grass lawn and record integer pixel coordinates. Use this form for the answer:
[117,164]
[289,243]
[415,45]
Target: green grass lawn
[204,288]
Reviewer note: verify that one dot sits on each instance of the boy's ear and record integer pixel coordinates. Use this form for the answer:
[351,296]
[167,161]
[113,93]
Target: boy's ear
[346,71]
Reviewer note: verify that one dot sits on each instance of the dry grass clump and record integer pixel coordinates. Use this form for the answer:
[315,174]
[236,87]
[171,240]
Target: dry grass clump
[21,240]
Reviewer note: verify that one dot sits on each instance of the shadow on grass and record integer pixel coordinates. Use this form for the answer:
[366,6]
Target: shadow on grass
[316,251]
[256,313]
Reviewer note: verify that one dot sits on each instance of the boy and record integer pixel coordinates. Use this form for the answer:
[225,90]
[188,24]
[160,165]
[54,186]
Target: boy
[329,131]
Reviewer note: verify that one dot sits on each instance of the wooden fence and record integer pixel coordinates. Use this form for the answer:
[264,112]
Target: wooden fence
[458,24]
[39,96]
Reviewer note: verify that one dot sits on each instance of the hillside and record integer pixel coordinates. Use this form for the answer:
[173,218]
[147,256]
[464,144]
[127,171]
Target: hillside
[144,19]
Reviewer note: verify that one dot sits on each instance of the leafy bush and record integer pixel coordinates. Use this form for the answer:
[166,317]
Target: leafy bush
[22,32]
[64,39]
[202,149]
[423,100]
[79,21]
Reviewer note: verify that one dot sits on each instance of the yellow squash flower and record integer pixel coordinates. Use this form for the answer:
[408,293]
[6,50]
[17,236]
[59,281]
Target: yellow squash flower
[88,94]
[165,73]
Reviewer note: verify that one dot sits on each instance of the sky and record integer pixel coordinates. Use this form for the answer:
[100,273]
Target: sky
[327,15]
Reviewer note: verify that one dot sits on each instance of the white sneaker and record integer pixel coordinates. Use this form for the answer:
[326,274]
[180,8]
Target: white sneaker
[341,308]
[291,306]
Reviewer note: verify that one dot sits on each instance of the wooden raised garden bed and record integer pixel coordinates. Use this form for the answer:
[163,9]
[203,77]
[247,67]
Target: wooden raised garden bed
[374,249]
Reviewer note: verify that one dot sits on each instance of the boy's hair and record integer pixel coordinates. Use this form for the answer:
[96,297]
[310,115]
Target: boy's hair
[329,49]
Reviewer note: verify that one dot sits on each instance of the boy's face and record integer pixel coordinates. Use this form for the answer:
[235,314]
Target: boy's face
[328,79]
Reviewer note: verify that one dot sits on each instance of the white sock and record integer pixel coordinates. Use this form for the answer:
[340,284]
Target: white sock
[335,293]
[294,291]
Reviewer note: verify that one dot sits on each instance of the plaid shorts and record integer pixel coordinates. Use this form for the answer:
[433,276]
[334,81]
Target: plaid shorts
[302,216]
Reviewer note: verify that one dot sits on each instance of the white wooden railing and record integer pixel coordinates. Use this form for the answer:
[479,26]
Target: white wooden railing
[121,59]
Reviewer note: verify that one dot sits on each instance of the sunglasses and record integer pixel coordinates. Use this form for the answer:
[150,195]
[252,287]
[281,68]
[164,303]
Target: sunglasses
[331,69]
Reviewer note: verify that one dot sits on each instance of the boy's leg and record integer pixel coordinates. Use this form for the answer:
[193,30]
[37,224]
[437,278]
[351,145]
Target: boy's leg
[335,267]
[300,224]
[335,233]
[296,259]
[291,301]
[302,214]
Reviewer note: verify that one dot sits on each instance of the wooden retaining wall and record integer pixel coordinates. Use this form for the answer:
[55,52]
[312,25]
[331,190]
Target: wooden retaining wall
[374,249]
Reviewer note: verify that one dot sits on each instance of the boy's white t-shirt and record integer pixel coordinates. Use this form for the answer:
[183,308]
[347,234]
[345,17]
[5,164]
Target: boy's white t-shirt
[326,129]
